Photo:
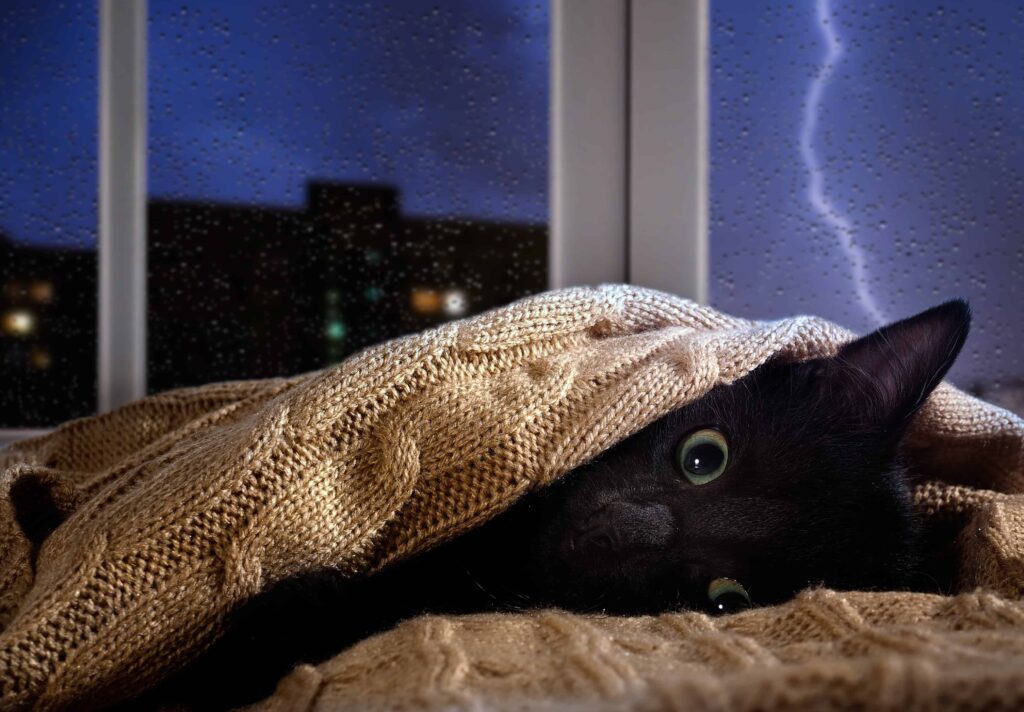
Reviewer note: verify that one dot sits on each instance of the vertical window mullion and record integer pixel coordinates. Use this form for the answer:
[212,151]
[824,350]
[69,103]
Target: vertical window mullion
[589,141]
[122,199]
[668,152]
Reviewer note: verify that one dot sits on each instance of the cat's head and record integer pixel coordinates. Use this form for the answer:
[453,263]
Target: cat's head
[787,478]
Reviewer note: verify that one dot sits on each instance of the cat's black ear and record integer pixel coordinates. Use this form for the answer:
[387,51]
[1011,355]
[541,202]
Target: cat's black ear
[888,374]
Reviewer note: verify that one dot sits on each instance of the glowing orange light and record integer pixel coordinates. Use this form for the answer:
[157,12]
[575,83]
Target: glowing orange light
[40,359]
[19,322]
[425,301]
[41,291]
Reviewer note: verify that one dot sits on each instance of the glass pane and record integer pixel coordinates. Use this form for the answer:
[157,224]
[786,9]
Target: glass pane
[327,176]
[48,134]
[868,162]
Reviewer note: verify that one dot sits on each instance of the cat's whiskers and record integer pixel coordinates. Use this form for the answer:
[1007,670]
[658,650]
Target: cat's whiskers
[513,600]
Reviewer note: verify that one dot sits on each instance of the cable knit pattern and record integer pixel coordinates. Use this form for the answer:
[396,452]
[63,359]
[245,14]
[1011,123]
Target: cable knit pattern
[185,503]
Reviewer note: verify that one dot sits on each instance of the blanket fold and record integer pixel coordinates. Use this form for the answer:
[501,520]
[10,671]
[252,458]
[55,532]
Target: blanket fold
[173,509]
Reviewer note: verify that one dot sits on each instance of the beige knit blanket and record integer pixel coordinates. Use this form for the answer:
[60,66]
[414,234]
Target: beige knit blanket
[185,503]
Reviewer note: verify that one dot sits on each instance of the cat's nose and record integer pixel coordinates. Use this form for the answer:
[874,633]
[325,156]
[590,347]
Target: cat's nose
[624,526]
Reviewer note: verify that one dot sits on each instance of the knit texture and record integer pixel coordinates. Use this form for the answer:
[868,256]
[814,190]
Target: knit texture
[822,651]
[183,504]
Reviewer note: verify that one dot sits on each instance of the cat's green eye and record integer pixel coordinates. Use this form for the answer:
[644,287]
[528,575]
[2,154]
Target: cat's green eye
[702,456]
[727,596]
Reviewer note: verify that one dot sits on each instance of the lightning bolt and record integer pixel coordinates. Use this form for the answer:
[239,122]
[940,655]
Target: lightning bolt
[839,223]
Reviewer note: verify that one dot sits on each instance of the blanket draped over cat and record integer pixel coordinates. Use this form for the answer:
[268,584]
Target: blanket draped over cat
[183,504]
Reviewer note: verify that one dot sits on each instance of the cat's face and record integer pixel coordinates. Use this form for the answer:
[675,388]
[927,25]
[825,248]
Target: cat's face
[787,478]
[755,489]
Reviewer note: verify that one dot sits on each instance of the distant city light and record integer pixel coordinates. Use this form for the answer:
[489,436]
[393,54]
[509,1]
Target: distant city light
[373,294]
[41,291]
[425,301]
[19,322]
[373,257]
[455,303]
[332,296]
[40,359]
[336,330]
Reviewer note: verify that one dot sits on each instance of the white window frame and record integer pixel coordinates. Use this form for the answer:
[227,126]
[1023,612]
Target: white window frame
[628,157]
[121,317]
[629,144]
[121,375]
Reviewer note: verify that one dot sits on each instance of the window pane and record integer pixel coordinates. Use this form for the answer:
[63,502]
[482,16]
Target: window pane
[326,176]
[868,162]
[48,130]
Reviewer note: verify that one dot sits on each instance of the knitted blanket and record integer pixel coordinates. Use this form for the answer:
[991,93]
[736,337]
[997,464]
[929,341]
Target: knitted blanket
[183,504]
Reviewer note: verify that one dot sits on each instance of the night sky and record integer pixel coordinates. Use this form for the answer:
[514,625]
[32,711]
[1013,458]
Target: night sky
[920,141]
[250,100]
[448,100]
[918,136]
[48,122]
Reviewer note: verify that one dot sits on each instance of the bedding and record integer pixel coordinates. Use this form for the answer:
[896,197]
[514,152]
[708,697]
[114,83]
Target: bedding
[175,508]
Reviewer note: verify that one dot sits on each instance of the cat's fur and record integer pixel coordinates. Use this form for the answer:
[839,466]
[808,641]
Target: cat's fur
[814,493]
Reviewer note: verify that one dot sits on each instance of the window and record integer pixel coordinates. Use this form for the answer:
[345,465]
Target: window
[324,177]
[867,162]
[47,212]
[320,178]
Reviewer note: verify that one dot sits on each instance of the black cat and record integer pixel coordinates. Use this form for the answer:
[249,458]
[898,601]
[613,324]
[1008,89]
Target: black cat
[787,478]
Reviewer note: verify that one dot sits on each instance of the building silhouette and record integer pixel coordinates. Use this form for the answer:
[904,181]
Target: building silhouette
[240,291]
[252,292]
[47,334]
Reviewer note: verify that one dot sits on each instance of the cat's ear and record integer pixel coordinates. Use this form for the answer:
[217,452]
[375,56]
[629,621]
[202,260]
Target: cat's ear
[888,374]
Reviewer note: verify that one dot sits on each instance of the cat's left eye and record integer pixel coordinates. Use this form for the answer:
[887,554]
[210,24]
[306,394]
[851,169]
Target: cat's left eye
[727,596]
[702,456]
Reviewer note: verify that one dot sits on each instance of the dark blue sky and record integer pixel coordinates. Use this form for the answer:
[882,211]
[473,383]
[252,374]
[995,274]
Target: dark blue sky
[921,144]
[448,100]
[48,122]
[250,100]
